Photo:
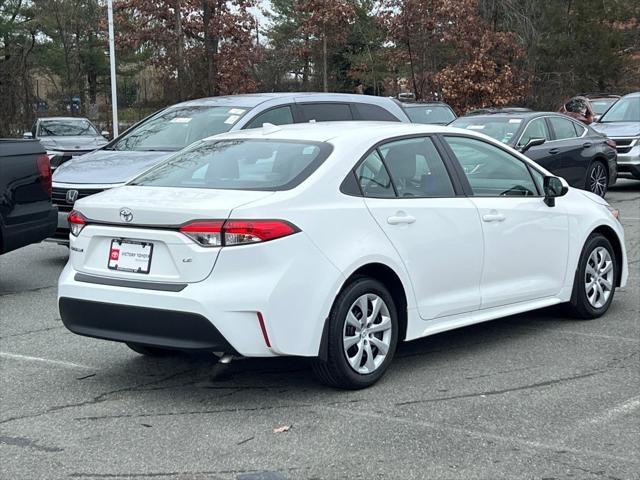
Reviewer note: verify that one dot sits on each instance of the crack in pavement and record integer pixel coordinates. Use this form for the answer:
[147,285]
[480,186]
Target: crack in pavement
[175,474]
[103,397]
[6,293]
[31,331]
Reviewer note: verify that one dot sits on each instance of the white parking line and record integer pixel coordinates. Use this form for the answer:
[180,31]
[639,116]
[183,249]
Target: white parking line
[617,411]
[59,363]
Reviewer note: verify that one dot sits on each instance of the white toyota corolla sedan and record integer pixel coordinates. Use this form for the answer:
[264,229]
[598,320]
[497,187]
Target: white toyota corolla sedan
[334,241]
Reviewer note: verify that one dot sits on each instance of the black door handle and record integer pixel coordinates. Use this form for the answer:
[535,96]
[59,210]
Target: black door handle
[586,145]
[553,151]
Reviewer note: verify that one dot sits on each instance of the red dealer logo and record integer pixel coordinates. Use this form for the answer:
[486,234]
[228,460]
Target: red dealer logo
[115,254]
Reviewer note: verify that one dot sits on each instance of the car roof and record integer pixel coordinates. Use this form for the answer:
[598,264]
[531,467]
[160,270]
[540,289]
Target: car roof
[251,100]
[632,95]
[63,118]
[527,115]
[421,104]
[325,131]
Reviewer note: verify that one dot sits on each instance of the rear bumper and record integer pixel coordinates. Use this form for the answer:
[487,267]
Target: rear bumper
[147,326]
[61,234]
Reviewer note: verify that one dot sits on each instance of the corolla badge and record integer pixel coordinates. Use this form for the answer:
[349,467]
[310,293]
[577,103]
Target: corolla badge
[71,196]
[126,215]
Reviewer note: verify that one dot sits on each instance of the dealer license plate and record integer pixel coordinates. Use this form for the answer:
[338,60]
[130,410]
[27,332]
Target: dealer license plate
[130,255]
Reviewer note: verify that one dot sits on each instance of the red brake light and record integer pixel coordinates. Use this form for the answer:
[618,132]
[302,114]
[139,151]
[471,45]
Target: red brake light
[44,170]
[77,221]
[239,232]
[217,233]
[207,233]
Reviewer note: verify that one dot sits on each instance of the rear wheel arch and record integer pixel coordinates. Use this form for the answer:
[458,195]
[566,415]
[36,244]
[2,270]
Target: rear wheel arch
[390,279]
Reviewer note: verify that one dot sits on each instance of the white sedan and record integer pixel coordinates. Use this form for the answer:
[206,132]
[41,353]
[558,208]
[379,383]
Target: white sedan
[334,241]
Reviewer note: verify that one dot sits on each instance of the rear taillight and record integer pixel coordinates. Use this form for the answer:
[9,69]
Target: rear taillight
[207,233]
[610,142]
[217,233]
[44,170]
[77,221]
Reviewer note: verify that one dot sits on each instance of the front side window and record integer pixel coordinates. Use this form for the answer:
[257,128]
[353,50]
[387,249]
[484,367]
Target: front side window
[239,165]
[66,128]
[430,114]
[177,128]
[491,171]
[536,129]
[373,178]
[416,168]
[563,128]
[275,116]
[326,112]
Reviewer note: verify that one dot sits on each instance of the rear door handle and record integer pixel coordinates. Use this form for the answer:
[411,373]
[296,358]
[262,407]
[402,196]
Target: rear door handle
[400,219]
[553,151]
[586,145]
[493,217]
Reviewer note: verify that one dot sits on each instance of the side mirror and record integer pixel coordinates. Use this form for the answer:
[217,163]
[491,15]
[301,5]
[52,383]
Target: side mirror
[533,142]
[105,134]
[554,187]
[27,135]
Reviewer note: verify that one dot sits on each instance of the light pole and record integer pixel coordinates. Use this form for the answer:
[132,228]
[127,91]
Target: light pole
[112,61]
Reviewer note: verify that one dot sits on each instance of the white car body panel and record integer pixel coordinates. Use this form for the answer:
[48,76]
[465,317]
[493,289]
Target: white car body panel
[293,281]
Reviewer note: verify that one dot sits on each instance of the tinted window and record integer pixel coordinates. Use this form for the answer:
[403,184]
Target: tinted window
[238,165]
[563,128]
[66,128]
[437,114]
[536,129]
[373,178]
[275,116]
[325,112]
[580,129]
[176,128]
[491,171]
[367,111]
[416,168]
[502,129]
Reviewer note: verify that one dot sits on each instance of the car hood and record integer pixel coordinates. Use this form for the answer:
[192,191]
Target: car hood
[107,166]
[618,129]
[68,144]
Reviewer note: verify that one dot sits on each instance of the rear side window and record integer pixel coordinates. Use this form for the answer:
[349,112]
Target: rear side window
[249,164]
[275,116]
[416,168]
[580,129]
[430,114]
[325,112]
[367,111]
[563,128]
[373,178]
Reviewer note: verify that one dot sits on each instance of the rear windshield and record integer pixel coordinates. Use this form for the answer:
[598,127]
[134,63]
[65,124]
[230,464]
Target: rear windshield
[175,128]
[430,114]
[502,129]
[243,164]
[600,105]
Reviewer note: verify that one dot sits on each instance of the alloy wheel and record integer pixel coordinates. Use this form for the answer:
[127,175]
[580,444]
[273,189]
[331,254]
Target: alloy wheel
[367,333]
[598,180]
[598,277]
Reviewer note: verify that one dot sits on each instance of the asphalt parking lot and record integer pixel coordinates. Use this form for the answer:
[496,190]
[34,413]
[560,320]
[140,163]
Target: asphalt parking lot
[531,396]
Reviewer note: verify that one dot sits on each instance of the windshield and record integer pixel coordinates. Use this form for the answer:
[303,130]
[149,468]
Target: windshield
[175,128]
[625,110]
[600,105]
[67,128]
[239,165]
[437,114]
[502,129]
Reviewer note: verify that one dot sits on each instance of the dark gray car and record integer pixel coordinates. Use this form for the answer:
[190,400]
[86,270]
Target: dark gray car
[169,130]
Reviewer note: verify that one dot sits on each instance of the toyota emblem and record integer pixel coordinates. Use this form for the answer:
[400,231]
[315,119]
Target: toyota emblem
[71,196]
[126,215]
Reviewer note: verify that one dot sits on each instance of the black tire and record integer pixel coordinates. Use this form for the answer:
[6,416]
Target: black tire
[597,180]
[579,305]
[336,371]
[150,351]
